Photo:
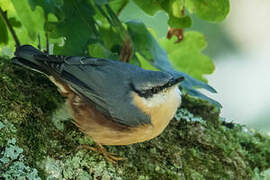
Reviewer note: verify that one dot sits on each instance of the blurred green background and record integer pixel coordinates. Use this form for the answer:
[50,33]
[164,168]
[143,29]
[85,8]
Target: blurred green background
[240,49]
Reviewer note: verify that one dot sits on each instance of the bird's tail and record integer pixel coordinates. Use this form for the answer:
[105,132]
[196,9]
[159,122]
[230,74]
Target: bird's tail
[25,56]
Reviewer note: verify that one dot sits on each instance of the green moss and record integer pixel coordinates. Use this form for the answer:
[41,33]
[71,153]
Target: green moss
[201,109]
[7,131]
[26,102]
[81,166]
[195,145]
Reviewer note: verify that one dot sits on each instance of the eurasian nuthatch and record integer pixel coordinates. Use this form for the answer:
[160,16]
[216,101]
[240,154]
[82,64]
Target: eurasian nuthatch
[114,103]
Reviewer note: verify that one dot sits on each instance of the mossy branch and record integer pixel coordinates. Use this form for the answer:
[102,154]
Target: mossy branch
[195,145]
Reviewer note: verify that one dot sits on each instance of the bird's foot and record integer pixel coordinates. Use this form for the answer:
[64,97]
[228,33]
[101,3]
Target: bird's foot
[100,149]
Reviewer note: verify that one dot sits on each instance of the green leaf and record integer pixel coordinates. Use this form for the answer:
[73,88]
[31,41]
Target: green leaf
[3,31]
[145,44]
[187,57]
[176,8]
[33,21]
[48,6]
[101,2]
[173,7]
[14,22]
[183,22]
[118,5]
[111,40]
[99,51]
[135,61]
[210,10]
[145,64]
[149,6]
[158,22]
[77,27]
[21,31]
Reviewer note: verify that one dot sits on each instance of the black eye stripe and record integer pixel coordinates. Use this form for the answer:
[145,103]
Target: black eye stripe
[150,92]
[146,93]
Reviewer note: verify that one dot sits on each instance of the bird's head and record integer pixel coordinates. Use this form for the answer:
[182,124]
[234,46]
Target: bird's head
[159,98]
[150,83]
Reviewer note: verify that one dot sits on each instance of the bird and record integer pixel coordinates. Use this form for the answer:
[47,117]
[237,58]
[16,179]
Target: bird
[112,102]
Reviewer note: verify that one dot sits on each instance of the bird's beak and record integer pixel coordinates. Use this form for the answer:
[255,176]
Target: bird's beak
[176,80]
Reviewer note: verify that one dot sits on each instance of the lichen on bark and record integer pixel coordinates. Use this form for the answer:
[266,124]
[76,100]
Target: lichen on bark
[197,144]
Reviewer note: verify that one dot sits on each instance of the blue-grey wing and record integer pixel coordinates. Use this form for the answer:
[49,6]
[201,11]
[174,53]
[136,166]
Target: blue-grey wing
[107,85]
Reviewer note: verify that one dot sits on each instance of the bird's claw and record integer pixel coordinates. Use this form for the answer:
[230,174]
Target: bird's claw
[100,149]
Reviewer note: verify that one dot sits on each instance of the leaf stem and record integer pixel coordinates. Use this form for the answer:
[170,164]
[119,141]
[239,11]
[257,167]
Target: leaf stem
[47,36]
[121,8]
[116,22]
[14,36]
[126,51]
[178,32]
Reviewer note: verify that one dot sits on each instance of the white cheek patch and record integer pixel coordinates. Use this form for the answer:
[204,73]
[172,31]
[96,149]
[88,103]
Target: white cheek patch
[162,97]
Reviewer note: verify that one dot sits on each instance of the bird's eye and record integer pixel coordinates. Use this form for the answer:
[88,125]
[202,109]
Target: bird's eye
[155,89]
[143,92]
[150,92]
